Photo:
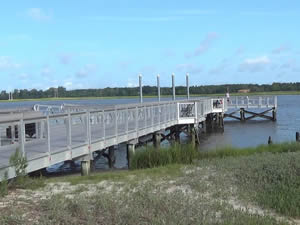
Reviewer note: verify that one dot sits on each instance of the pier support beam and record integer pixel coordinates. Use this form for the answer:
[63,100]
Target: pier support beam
[297,136]
[274,114]
[156,139]
[130,151]
[111,156]
[242,114]
[270,140]
[85,167]
[193,135]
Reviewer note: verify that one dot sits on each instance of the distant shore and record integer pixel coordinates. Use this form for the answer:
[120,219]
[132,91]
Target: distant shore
[154,96]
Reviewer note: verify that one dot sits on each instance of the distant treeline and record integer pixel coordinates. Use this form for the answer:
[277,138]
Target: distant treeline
[148,90]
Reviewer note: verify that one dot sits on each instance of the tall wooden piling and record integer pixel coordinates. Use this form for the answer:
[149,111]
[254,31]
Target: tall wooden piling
[85,167]
[156,139]
[111,156]
[193,136]
[274,116]
[130,150]
[242,114]
[270,140]
[297,136]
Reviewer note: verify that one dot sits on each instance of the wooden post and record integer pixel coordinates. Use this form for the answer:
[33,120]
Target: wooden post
[274,114]
[130,150]
[85,167]
[221,121]
[193,136]
[156,140]
[111,156]
[21,136]
[297,137]
[242,113]
[13,133]
[270,140]
[204,126]
[177,134]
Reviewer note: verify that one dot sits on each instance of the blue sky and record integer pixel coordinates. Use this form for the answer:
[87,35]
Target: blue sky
[96,44]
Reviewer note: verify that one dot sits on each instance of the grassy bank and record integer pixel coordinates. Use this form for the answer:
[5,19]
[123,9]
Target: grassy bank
[154,96]
[185,154]
[229,186]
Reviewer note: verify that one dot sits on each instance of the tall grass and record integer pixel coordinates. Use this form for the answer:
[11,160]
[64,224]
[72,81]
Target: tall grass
[272,180]
[150,157]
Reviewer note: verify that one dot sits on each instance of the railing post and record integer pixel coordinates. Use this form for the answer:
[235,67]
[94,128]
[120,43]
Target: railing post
[247,102]
[159,112]
[178,112]
[173,86]
[127,121]
[158,88]
[48,137]
[136,118]
[141,88]
[196,111]
[187,86]
[104,126]
[22,136]
[152,116]
[69,131]
[116,122]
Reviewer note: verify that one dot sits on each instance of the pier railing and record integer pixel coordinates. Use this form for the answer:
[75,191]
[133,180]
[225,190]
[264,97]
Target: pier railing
[65,135]
[252,102]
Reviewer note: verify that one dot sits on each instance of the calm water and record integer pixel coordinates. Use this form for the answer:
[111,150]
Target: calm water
[250,133]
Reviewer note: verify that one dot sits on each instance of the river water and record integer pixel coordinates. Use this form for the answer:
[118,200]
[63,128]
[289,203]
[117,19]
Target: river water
[247,134]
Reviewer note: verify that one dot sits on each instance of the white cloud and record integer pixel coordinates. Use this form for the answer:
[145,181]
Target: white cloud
[255,64]
[7,63]
[205,45]
[189,68]
[38,14]
[86,70]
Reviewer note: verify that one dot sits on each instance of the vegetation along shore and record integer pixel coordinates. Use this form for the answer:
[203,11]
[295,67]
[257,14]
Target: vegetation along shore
[175,185]
[151,91]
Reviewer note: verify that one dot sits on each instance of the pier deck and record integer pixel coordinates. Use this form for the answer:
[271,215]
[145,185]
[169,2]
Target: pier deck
[73,132]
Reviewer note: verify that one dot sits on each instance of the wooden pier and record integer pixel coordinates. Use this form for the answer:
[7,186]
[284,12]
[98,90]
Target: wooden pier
[241,108]
[47,135]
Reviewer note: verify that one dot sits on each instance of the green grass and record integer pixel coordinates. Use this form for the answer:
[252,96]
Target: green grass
[267,176]
[168,171]
[186,154]
[272,180]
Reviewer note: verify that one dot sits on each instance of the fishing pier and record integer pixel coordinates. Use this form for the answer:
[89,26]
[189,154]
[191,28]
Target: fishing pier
[47,135]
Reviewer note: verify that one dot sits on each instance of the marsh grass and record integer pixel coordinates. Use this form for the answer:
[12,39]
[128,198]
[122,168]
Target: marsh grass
[150,157]
[144,206]
[272,180]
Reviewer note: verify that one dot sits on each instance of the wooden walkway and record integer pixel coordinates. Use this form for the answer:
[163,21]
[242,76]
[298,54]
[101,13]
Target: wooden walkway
[72,132]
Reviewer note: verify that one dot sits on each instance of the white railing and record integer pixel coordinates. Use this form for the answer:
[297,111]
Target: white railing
[252,102]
